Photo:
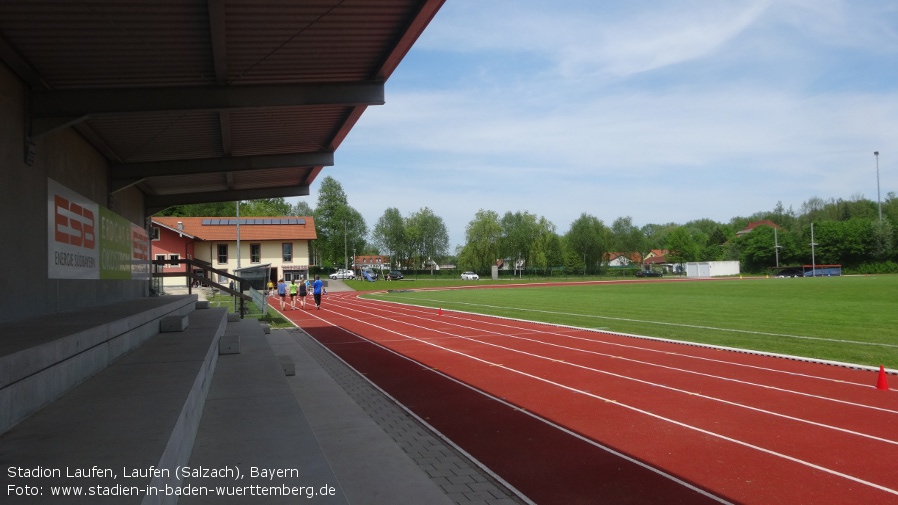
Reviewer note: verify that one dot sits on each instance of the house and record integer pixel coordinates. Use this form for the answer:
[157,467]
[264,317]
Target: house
[281,243]
[754,224]
[373,262]
[622,260]
[657,258]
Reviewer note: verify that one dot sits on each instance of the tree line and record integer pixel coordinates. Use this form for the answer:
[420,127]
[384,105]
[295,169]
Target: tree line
[847,232]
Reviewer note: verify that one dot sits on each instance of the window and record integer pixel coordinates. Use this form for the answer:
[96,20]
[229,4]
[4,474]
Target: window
[173,259]
[287,251]
[255,253]
[154,233]
[222,253]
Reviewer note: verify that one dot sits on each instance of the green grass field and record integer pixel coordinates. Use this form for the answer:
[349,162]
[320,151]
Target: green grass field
[273,318]
[846,319]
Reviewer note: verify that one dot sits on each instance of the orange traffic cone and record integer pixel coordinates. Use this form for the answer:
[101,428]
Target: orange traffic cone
[882,382]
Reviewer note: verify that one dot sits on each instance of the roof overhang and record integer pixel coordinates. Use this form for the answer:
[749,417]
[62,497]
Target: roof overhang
[207,100]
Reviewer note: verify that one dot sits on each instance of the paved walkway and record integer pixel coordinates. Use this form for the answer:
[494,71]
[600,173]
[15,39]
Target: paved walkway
[395,445]
[461,480]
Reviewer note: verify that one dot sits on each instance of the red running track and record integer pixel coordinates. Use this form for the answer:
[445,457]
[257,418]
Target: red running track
[575,416]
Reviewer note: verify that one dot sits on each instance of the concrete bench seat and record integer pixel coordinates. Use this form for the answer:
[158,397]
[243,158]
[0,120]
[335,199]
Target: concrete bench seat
[130,425]
[252,418]
[42,358]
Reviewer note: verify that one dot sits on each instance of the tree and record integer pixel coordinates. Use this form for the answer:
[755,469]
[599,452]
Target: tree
[519,233]
[627,238]
[426,235]
[389,234]
[842,242]
[248,208]
[546,250]
[482,237]
[301,208]
[340,228]
[682,246]
[758,249]
[265,207]
[216,209]
[883,240]
[588,238]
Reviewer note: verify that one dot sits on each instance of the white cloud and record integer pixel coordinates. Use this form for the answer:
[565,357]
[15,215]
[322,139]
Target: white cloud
[668,112]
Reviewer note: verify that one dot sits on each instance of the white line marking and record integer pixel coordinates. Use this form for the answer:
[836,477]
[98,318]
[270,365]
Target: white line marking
[523,411]
[624,405]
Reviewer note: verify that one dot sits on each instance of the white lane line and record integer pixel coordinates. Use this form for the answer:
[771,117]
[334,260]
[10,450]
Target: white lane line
[664,386]
[670,341]
[541,419]
[629,407]
[683,370]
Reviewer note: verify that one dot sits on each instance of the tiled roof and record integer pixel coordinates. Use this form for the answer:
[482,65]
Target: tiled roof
[632,256]
[194,226]
[751,226]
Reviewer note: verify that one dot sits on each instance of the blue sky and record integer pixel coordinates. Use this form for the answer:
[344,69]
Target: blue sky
[661,111]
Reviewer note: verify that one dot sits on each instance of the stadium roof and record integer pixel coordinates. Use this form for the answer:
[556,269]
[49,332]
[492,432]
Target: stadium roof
[208,100]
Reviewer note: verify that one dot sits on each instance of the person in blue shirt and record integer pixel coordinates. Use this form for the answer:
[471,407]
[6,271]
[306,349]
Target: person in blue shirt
[282,293]
[317,290]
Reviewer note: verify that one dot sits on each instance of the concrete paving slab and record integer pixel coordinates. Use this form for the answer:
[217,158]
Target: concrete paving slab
[252,423]
[371,468]
[381,454]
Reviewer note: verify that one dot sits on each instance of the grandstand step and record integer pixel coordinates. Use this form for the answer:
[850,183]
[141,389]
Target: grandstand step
[127,428]
[42,358]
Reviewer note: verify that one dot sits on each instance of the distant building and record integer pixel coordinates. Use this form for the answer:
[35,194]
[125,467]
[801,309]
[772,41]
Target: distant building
[281,242]
[657,258]
[751,226]
[375,262]
[621,260]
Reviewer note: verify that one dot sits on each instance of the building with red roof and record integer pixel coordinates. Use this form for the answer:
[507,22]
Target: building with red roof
[754,224]
[281,242]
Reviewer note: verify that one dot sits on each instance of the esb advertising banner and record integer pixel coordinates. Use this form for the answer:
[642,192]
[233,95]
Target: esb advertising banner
[86,241]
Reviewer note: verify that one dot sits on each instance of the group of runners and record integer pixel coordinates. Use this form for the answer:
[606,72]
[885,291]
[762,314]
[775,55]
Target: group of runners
[301,290]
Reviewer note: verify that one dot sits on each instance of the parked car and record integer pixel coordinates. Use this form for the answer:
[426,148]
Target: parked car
[469,276]
[374,275]
[343,274]
[394,275]
[648,273]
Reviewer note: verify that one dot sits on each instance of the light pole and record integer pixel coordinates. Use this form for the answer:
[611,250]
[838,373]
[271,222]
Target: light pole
[813,257]
[878,200]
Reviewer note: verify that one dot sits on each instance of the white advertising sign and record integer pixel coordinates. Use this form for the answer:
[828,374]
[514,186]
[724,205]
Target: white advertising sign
[72,244]
[86,241]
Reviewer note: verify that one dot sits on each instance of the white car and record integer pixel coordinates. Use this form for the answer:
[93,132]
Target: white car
[469,276]
[343,274]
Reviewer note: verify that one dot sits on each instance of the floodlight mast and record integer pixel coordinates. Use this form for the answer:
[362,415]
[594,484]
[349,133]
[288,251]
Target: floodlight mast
[878,199]
[813,257]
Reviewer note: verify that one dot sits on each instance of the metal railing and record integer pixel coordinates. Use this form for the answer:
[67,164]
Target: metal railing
[207,278]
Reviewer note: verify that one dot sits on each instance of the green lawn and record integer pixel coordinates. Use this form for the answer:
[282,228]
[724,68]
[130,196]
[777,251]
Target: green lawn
[273,318]
[847,319]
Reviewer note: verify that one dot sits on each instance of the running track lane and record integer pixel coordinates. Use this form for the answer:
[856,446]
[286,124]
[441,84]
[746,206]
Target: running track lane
[588,417]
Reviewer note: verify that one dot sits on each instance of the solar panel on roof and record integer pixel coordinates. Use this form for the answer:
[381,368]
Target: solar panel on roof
[254,221]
